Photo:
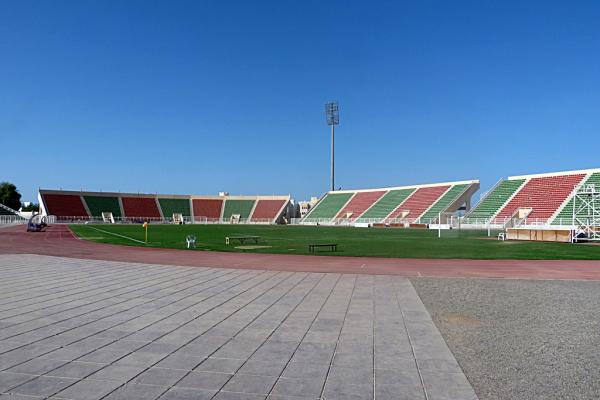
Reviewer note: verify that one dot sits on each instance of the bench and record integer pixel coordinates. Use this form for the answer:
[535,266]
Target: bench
[241,239]
[313,247]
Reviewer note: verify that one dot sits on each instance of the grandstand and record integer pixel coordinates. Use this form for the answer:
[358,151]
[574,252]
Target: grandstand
[528,202]
[10,216]
[419,204]
[127,207]
[541,200]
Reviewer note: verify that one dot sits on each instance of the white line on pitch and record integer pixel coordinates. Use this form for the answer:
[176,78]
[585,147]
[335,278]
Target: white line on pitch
[116,234]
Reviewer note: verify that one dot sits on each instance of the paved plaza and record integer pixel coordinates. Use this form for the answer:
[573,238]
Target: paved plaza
[83,330]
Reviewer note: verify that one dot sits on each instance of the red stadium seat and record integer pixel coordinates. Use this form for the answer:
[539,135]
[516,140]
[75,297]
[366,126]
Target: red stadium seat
[65,205]
[544,195]
[207,208]
[140,207]
[267,210]
[419,202]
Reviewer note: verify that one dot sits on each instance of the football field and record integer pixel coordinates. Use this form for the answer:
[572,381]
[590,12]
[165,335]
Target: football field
[361,242]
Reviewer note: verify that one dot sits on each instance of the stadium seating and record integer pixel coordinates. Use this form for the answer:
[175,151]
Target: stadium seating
[207,208]
[359,203]
[99,204]
[442,204]
[65,205]
[174,206]
[419,201]
[489,206]
[140,207]
[267,209]
[243,208]
[329,206]
[128,206]
[387,203]
[565,216]
[544,195]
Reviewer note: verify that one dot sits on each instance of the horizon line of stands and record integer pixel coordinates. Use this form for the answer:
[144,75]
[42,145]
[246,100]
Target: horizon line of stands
[68,205]
[548,199]
[404,204]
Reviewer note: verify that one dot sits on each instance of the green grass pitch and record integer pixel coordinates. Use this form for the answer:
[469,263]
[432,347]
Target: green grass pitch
[365,242]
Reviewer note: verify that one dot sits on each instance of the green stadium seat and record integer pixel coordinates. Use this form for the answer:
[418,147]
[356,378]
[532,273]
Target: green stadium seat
[492,203]
[243,208]
[443,202]
[329,206]
[174,206]
[99,204]
[388,203]
[565,216]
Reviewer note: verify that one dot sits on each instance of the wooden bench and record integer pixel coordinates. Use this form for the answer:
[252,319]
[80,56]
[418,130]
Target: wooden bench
[313,247]
[242,239]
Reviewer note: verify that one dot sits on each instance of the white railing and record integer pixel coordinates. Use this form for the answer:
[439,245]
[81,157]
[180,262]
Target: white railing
[12,220]
[158,220]
[351,222]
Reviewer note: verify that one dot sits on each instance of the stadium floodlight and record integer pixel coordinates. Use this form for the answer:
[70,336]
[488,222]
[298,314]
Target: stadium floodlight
[332,112]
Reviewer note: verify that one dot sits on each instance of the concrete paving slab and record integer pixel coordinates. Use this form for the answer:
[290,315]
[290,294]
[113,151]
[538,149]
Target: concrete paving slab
[91,329]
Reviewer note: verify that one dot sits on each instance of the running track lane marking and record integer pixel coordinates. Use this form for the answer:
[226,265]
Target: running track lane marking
[116,234]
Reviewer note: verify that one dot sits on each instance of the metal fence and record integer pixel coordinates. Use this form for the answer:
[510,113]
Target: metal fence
[155,220]
[12,220]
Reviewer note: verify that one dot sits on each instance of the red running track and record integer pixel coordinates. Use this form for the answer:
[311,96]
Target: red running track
[59,241]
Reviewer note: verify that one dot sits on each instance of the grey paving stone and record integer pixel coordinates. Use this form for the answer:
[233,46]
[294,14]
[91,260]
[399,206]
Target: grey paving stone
[350,375]
[250,335]
[14,396]
[204,380]
[254,384]
[306,370]
[238,396]
[399,392]
[114,372]
[140,359]
[302,387]
[137,392]
[265,368]
[180,361]
[88,389]
[9,380]
[409,376]
[160,376]
[76,369]
[177,393]
[439,392]
[346,391]
[224,365]
[103,356]
[37,366]
[450,366]
[44,386]
[353,360]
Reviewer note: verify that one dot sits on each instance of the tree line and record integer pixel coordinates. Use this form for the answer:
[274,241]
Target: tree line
[10,197]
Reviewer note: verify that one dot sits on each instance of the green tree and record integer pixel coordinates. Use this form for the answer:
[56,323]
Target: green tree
[9,196]
[31,207]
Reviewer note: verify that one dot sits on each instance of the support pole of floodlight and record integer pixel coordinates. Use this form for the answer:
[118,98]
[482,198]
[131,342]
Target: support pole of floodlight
[332,112]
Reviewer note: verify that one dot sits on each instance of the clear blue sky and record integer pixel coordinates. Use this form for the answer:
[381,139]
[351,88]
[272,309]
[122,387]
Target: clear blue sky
[207,96]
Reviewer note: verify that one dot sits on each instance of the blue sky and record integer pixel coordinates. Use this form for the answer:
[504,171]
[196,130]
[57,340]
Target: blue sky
[208,96]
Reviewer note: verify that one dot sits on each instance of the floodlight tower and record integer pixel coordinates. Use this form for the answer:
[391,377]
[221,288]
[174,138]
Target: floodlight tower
[332,112]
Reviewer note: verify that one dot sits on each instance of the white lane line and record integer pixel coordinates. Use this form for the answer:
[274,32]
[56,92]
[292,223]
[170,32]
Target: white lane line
[116,234]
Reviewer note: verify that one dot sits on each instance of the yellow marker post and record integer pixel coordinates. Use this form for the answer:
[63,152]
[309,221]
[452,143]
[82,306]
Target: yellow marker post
[146,228]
